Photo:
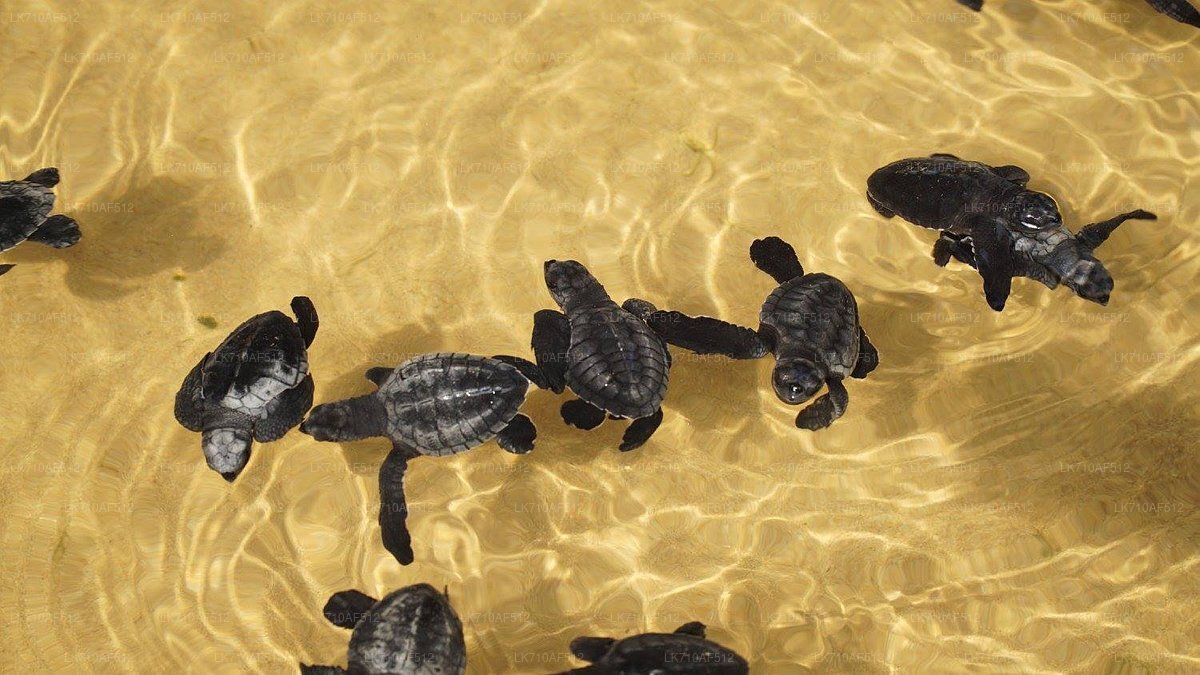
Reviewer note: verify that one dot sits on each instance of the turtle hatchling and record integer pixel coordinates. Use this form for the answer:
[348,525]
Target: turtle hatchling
[606,353]
[1180,10]
[685,651]
[254,387]
[809,322]
[25,214]
[412,631]
[434,404]
[988,219]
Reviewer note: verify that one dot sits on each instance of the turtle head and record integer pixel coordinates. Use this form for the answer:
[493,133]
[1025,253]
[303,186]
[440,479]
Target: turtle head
[227,450]
[1034,211]
[1090,280]
[348,420]
[569,282]
[797,379]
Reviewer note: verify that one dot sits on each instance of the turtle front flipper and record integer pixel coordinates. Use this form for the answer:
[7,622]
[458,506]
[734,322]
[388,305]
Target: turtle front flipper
[306,318]
[581,414]
[1092,236]
[57,232]
[393,510]
[551,342]
[777,258]
[868,356]
[1180,10]
[306,669]
[822,412]
[993,259]
[378,375]
[530,370]
[692,628]
[518,436]
[345,609]
[706,335]
[591,649]
[285,412]
[640,431]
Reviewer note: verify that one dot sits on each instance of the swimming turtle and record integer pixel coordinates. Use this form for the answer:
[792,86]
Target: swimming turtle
[991,221]
[25,213]
[683,651]
[1180,10]
[255,385]
[412,631]
[809,322]
[434,404]
[605,353]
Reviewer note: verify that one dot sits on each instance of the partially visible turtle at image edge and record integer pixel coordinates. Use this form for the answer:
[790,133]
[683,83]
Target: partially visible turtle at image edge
[604,352]
[1180,10]
[25,214]
[254,386]
[809,322]
[683,652]
[412,631]
[434,404]
[988,219]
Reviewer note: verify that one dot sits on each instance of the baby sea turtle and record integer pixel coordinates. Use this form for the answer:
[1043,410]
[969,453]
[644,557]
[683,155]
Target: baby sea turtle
[810,323]
[412,631]
[684,651]
[1180,10]
[606,353]
[434,404]
[991,221]
[256,385]
[25,214]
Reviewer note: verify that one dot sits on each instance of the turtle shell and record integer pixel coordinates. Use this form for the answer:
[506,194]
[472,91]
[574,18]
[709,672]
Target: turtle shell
[447,403]
[261,359]
[672,653]
[934,191]
[616,361]
[817,313]
[412,631]
[24,206]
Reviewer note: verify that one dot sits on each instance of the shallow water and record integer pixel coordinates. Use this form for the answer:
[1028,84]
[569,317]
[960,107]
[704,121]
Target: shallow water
[1007,493]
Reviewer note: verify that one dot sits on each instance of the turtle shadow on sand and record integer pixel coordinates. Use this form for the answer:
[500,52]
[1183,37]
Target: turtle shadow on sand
[150,227]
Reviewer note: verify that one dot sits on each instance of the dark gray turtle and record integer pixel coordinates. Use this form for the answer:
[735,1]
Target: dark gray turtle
[255,386]
[684,651]
[810,323]
[412,631]
[606,353]
[1180,10]
[25,214]
[434,404]
[991,221]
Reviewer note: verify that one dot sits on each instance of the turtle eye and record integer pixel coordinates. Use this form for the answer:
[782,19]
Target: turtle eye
[795,390]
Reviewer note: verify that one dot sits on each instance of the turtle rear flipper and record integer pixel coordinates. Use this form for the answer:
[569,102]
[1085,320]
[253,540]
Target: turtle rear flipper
[58,232]
[692,628]
[306,318]
[378,375]
[346,608]
[393,510]
[47,177]
[591,649]
[5,268]
[1180,10]
[777,258]
[529,369]
[581,414]
[706,335]
[975,5]
[822,412]
[640,431]
[285,412]
[551,342]
[518,436]
[306,669]
[1092,236]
